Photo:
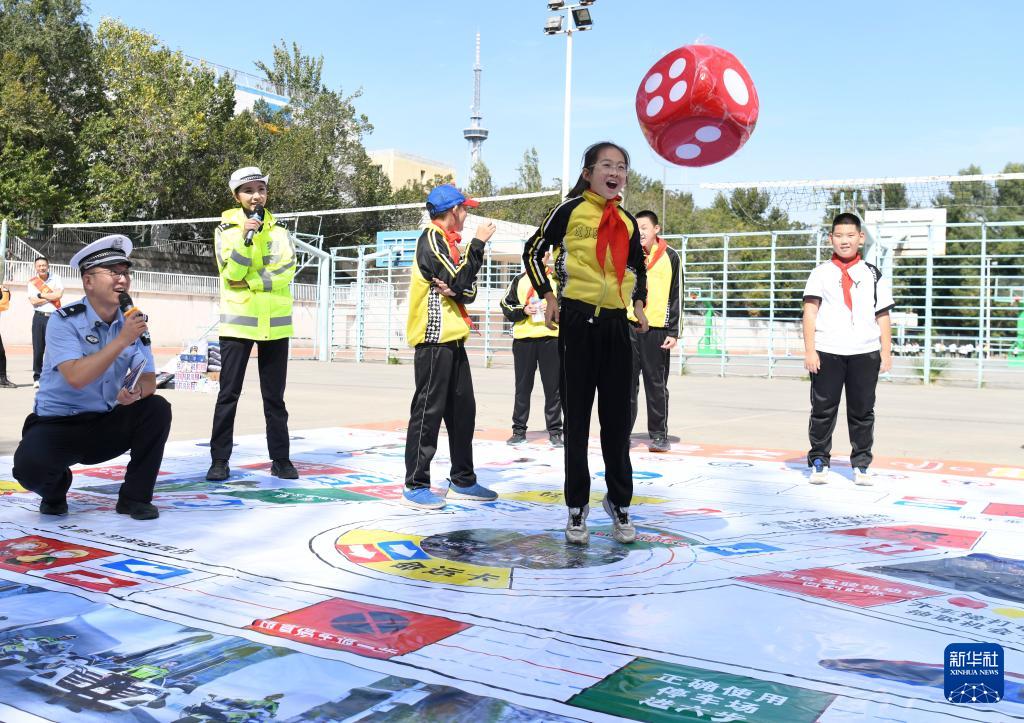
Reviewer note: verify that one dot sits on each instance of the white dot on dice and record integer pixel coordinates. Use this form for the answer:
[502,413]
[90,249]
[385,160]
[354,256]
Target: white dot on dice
[736,87]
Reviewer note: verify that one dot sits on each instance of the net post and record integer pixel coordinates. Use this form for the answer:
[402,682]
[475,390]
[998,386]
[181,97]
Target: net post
[983,316]
[771,306]
[929,288]
[360,311]
[725,304]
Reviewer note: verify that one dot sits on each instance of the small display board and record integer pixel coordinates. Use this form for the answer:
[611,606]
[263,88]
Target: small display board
[192,367]
[906,230]
[401,244]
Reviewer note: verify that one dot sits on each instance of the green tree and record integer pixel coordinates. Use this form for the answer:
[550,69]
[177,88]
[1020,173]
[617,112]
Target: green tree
[529,211]
[48,53]
[297,76]
[480,183]
[154,149]
[29,181]
[529,172]
[1010,194]
[888,196]
[314,150]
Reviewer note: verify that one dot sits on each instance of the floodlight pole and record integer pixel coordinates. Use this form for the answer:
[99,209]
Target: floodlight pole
[570,28]
[568,103]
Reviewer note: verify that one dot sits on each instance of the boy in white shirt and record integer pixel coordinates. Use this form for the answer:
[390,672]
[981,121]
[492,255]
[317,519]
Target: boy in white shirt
[847,342]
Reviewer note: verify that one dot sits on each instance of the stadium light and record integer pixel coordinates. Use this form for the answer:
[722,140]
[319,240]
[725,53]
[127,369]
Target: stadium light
[577,19]
[554,25]
[581,17]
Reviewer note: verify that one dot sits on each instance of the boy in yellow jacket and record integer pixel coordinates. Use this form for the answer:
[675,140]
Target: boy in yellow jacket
[443,281]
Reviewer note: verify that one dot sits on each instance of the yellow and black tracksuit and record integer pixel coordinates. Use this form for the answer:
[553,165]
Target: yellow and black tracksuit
[533,345]
[437,329]
[255,308]
[649,358]
[593,338]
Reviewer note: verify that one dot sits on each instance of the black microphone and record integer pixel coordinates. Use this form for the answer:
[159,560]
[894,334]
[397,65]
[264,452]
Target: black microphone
[128,308]
[257,212]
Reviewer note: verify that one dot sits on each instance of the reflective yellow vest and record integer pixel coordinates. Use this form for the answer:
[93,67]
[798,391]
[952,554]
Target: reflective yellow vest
[255,281]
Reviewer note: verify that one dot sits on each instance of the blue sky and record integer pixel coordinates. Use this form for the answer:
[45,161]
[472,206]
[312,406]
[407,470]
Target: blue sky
[896,88]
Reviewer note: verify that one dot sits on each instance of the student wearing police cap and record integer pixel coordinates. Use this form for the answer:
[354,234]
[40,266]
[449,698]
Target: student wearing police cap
[84,413]
[256,263]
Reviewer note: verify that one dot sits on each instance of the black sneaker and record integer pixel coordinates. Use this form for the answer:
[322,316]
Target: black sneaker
[555,439]
[53,507]
[137,510]
[7,383]
[659,443]
[516,438]
[219,471]
[283,469]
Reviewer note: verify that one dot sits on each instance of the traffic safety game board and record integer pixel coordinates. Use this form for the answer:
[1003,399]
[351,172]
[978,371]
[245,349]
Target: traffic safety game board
[748,596]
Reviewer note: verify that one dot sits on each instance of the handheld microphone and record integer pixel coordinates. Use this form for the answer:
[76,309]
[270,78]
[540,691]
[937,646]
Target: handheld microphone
[128,308]
[257,212]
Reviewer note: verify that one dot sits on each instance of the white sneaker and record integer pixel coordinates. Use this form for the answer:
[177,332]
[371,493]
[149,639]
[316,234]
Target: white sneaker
[819,473]
[622,527]
[576,531]
[35,384]
[862,477]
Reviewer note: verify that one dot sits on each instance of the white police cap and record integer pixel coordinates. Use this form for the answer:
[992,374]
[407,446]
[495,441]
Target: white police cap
[245,175]
[107,251]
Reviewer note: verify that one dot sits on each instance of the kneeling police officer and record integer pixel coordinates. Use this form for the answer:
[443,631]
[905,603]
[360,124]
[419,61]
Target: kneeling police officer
[84,412]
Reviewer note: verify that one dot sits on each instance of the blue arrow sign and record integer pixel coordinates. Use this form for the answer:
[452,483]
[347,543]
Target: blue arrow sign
[144,568]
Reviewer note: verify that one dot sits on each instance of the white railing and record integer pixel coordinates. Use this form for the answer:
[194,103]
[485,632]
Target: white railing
[190,284]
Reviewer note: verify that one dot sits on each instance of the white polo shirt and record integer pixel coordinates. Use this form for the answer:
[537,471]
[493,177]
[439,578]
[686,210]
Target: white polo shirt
[837,330]
[52,281]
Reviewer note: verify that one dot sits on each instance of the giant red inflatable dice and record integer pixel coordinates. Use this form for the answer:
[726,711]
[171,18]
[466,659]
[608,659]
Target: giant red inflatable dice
[697,105]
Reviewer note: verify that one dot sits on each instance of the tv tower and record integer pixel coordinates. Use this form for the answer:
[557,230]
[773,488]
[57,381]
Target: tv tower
[475,134]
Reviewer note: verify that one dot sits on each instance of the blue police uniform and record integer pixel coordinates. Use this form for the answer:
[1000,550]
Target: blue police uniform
[87,426]
[75,331]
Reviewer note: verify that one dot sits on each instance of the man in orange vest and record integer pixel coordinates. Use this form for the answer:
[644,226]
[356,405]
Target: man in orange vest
[44,293]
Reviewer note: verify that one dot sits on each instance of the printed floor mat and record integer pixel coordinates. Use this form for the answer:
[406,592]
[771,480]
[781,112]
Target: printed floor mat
[749,594]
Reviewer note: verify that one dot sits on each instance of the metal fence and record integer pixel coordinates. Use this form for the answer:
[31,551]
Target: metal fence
[955,321]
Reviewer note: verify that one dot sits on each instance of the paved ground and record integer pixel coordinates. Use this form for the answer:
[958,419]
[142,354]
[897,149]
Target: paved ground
[947,423]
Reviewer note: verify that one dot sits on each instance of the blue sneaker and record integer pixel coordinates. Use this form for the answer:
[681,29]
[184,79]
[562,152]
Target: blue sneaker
[819,472]
[475,491]
[423,498]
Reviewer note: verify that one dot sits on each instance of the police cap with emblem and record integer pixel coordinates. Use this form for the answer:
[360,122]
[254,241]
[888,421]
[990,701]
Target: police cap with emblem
[107,251]
[244,175]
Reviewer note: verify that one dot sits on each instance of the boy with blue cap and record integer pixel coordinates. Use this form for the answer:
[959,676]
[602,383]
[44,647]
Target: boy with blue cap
[85,412]
[443,281]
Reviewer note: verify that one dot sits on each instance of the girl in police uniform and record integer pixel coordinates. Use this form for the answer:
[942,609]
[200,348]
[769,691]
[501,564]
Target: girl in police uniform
[256,263]
[599,266]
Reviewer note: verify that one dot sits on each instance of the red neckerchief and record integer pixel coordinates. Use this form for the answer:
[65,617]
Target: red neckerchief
[657,252]
[42,288]
[844,266]
[612,234]
[453,238]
